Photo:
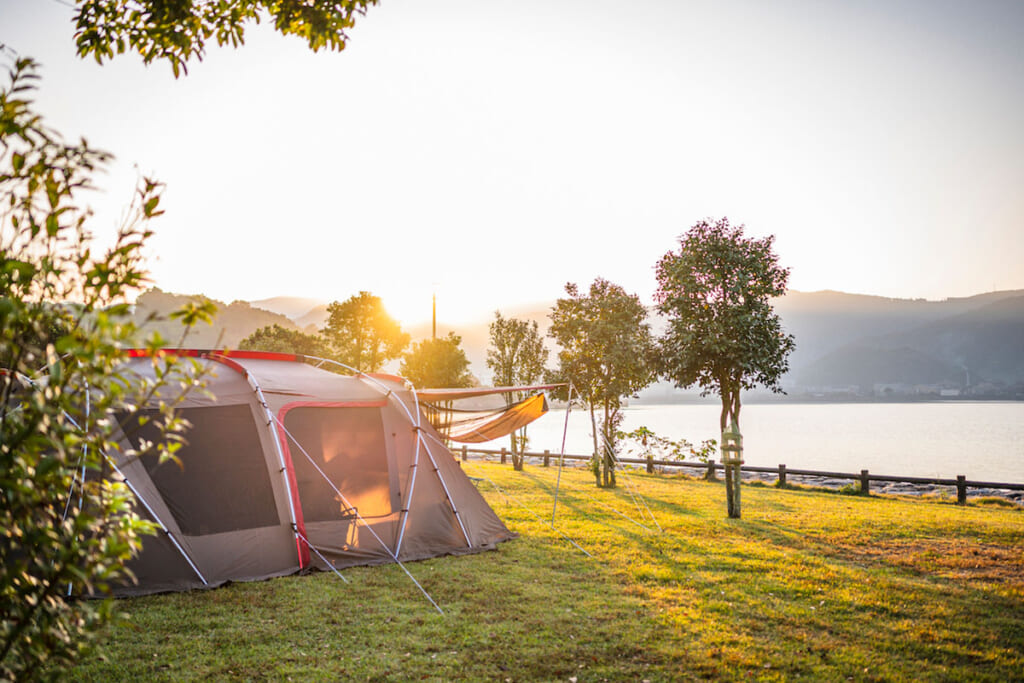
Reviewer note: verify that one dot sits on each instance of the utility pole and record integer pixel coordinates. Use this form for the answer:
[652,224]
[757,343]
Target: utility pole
[433,329]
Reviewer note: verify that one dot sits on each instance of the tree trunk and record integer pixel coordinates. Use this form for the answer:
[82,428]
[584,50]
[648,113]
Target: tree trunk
[730,418]
[608,473]
[595,463]
[517,458]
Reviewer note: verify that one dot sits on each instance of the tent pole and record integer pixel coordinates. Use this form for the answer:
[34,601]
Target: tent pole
[159,521]
[280,461]
[258,390]
[447,494]
[407,503]
[408,498]
[561,456]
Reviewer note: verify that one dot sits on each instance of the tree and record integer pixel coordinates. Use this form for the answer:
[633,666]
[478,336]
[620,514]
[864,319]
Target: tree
[723,334]
[438,364]
[607,353]
[278,339]
[516,356]
[361,334]
[177,30]
[67,525]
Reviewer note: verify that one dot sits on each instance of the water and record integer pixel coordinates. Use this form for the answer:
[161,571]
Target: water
[982,440]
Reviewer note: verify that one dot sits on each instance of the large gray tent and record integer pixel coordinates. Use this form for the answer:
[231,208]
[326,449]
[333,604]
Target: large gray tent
[289,467]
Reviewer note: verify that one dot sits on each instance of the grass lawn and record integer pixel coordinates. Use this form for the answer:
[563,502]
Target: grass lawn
[808,584]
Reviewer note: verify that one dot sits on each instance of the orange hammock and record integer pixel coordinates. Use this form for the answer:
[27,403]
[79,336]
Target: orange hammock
[479,425]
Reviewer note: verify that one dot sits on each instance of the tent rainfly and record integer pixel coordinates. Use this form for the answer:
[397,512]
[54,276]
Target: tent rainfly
[290,467]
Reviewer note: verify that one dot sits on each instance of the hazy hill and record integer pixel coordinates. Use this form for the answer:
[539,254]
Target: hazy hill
[823,322]
[293,307]
[983,344]
[842,339]
[233,323]
[314,318]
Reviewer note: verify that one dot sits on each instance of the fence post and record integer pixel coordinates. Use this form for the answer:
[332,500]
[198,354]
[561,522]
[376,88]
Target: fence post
[782,475]
[503,453]
[464,452]
[650,464]
[865,483]
[547,458]
[961,489]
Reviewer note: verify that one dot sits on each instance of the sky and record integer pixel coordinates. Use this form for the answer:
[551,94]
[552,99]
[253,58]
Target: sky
[493,151]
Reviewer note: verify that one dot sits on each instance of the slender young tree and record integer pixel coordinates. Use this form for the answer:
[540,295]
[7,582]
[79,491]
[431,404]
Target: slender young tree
[723,334]
[438,364]
[607,352]
[516,356]
[361,333]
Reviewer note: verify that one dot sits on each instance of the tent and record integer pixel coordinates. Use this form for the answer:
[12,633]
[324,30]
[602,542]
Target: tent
[290,467]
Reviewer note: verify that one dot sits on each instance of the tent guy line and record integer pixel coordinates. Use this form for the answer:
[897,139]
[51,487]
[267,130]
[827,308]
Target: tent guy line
[360,518]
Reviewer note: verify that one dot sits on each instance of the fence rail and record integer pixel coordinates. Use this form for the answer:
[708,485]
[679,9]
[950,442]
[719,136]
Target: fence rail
[865,478]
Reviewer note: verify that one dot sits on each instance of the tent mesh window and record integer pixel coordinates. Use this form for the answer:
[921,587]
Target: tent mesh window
[348,444]
[222,483]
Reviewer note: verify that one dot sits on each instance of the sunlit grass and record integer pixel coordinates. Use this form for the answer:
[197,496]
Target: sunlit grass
[807,585]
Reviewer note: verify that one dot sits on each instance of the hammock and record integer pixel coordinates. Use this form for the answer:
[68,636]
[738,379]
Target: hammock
[479,422]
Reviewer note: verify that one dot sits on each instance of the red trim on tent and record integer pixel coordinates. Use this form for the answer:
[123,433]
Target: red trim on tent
[146,353]
[212,353]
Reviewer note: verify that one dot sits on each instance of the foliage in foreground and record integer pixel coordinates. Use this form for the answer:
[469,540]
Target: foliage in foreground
[66,524]
[809,585]
[177,30]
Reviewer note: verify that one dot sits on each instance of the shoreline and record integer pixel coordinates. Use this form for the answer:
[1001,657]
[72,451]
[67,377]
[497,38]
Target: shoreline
[833,484]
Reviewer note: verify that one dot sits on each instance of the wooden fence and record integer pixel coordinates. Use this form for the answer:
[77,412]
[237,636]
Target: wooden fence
[782,472]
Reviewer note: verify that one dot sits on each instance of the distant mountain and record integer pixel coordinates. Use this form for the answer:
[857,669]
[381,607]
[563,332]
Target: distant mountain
[293,307]
[823,322]
[844,342]
[233,323]
[313,319]
[869,345]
